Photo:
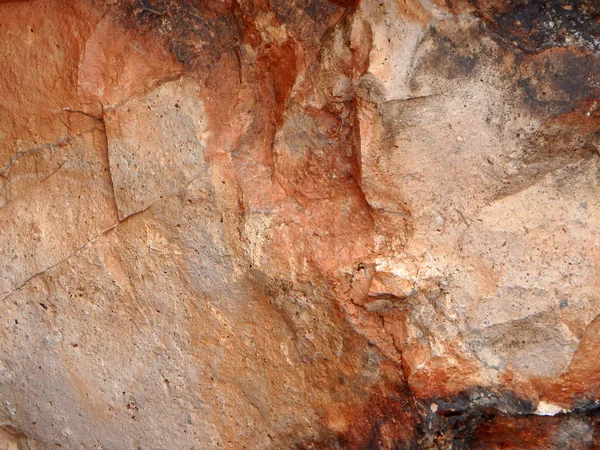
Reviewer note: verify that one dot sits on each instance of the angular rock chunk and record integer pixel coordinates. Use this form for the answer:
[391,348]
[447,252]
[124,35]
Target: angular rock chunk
[155,145]
[58,216]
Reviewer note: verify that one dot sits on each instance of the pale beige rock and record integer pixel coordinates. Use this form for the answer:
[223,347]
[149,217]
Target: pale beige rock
[48,222]
[112,325]
[11,439]
[155,145]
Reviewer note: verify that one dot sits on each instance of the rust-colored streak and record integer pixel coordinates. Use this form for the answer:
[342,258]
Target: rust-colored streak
[279,60]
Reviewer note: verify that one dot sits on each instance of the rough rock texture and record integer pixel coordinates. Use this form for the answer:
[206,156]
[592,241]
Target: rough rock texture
[305,224]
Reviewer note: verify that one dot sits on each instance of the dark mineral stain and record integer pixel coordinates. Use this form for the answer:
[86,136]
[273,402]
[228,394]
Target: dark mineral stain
[308,19]
[197,33]
[560,79]
[535,25]
[479,419]
[158,6]
[292,11]
[450,58]
[575,431]
[454,422]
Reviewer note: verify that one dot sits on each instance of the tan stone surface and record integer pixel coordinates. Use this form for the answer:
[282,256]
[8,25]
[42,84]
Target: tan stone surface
[46,222]
[155,145]
[304,224]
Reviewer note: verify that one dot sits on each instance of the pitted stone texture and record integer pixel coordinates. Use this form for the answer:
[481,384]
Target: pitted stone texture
[70,206]
[155,145]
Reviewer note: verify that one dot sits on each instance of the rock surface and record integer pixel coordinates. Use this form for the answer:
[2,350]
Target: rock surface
[299,224]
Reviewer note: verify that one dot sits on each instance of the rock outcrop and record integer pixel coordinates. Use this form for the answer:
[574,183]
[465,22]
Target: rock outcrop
[308,224]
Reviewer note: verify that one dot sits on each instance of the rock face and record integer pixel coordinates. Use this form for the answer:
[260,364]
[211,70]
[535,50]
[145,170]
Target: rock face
[304,224]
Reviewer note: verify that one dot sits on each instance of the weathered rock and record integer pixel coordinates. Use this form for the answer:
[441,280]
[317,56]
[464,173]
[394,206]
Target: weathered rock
[158,134]
[305,224]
